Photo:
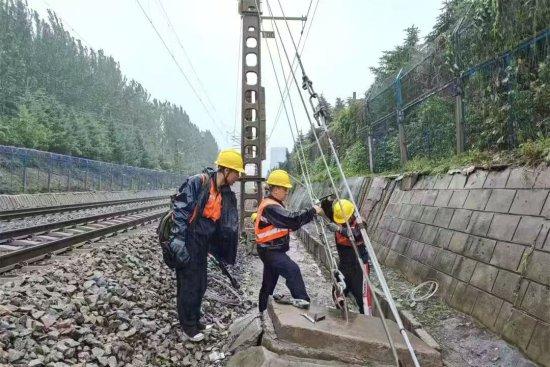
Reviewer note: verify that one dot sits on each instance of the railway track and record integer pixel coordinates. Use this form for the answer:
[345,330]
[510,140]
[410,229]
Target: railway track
[8,215]
[32,243]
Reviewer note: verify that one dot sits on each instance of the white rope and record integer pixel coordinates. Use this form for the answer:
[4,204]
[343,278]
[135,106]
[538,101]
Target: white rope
[321,122]
[321,232]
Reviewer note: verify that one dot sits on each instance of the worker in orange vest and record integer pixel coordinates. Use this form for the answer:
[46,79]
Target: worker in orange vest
[197,207]
[272,231]
[343,211]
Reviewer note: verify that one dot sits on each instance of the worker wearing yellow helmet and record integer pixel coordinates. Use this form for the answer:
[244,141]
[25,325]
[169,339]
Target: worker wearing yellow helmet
[343,212]
[197,210]
[272,228]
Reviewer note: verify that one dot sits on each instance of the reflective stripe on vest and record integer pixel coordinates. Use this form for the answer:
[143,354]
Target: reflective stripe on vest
[269,232]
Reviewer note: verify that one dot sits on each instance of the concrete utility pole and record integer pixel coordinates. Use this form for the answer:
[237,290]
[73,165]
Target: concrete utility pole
[252,110]
[253,141]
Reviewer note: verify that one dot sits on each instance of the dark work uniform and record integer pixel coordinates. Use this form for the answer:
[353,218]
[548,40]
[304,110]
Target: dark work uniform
[192,279]
[273,253]
[348,263]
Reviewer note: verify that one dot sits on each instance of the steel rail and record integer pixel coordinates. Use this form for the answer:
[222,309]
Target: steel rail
[44,228]
[28,212]
[12,258]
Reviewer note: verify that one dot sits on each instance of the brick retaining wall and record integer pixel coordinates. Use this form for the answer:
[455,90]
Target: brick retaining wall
[483,237]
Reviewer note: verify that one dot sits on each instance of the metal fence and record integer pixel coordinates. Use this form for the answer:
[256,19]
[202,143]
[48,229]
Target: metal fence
[436,107]
[25,170]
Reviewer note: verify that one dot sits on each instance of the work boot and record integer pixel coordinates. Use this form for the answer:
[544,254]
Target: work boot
[282,299]
[192,334]
[300,303]
[201,326]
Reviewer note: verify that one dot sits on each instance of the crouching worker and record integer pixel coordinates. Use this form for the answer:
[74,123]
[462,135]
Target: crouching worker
[343,211]
[197,209]
[272,227]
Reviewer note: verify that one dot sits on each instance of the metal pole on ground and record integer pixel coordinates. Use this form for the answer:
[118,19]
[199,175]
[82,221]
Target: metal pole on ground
[400,119]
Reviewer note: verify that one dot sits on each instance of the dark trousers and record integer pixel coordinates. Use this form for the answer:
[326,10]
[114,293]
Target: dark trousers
[278,263]
[353,274]
[192,280]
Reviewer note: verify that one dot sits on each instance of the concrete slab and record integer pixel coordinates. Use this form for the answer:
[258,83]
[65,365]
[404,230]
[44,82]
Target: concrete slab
[361,339]
[245,331]
[260,356]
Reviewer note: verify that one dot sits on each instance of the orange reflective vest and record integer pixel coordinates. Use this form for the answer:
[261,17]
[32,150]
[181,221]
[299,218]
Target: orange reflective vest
[269,232]
[213,207]
[344,240]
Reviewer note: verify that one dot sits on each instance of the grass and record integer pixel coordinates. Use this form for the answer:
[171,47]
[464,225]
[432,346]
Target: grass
[531,153]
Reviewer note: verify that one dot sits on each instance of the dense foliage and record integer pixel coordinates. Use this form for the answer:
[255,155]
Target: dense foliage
[478,46]
[59,96]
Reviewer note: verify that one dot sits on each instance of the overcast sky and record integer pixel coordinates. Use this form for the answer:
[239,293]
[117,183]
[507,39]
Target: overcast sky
[347,36]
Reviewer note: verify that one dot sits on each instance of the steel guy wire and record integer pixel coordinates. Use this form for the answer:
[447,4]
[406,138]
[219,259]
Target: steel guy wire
[358,215]
[294,66]
[308,85]
[180,68]
[331,258]
[366,277]
[306,178]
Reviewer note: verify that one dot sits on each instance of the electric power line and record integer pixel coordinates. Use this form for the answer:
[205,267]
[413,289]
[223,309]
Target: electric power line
[239,56]
[288,79]
[187,58]
[220,130]
[49,7]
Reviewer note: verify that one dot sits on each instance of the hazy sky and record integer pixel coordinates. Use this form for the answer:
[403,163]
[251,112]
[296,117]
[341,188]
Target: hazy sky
[347,36]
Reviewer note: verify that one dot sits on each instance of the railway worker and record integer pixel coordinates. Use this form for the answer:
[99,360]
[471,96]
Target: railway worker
[343,211]
[197,207]
[272,227]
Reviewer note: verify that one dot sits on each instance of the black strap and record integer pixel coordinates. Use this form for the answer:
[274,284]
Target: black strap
[201,202]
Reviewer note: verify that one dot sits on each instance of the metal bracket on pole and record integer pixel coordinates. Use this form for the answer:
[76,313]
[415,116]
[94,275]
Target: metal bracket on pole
[302,19]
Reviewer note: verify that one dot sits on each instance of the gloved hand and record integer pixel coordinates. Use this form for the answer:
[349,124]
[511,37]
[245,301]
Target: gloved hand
[333,227]
[326,204]
[364,256]
[180,254]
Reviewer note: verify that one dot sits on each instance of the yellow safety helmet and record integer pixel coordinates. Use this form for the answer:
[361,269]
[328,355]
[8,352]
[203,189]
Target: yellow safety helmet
[253,216]
[279,177]
[343,210]
[230,158]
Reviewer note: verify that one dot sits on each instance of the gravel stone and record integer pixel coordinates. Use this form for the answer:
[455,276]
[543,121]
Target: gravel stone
[112,306]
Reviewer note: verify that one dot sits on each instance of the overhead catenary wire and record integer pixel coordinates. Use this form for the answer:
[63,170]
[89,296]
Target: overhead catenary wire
[320,120]
[207,110]
[68,25]
[237,90]
[294,66]
[187,58]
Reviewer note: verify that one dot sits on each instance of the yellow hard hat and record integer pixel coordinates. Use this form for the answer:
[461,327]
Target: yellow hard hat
[230,158]
[253,216]
[343,212]
[279,177]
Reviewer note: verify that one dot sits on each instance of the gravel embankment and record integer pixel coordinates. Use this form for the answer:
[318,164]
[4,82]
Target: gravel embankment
[112,306]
